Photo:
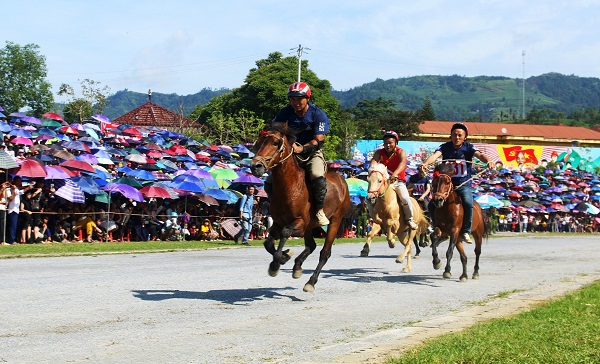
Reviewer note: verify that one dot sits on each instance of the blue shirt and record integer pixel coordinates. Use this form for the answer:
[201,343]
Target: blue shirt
[247,204]
[462,170]
[314,122]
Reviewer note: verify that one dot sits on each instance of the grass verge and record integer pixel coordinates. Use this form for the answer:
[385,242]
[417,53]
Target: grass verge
[566,330]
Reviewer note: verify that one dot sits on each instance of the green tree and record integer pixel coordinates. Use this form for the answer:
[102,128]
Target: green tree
[426,112]
[262,95]
[23,79]
[93,98]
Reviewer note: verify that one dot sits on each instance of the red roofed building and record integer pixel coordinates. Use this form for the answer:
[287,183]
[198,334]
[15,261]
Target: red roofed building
[151,114]
[502,133]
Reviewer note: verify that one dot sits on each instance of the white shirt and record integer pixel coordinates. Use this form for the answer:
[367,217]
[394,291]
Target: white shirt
[15,204]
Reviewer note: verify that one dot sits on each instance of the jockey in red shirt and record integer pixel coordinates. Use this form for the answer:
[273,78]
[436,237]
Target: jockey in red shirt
[394,158]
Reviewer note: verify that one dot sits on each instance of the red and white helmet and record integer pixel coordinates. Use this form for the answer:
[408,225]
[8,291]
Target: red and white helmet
[299,89]
[390,134]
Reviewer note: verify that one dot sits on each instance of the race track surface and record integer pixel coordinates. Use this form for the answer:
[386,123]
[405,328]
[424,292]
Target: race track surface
[220,306]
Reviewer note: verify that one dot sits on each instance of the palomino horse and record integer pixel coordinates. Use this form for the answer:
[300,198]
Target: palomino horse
[387,214]
[448,222]
[291,201]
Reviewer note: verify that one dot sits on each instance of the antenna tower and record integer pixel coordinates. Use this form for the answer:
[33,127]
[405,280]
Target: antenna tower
[523,115]
[300,51]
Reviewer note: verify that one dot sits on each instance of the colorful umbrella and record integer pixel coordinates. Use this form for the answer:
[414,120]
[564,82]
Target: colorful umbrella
[249,179]
[357,186]
[223,173]
[32,168]
[21,141]
[126,190]
[57,172]
[6,161]
[154,191]
[71,192]
[52,116]
[487,201]
[78,165]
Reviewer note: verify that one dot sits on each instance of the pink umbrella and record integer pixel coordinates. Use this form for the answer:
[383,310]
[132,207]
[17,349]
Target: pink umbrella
[21,141]
[155,191]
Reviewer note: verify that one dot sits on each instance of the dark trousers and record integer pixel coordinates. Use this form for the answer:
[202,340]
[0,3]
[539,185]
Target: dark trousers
[2,226]
[11,227]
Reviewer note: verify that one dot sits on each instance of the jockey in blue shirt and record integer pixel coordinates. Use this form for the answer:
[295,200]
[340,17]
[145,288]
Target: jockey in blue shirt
[312,124]
[460,153]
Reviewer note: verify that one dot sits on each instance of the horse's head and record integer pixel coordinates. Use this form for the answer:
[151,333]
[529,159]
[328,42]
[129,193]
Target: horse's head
[378,181]
[441,185]
[272,148]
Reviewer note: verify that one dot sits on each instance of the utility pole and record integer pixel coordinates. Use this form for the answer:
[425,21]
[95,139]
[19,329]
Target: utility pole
[300,50]
[523,115]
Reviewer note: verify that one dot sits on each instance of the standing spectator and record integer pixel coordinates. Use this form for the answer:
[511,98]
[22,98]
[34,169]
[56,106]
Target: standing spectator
[14,205]
[3,206]
[246,207]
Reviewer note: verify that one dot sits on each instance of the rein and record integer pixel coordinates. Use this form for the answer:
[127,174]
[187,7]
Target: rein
[385,182]
[266,161]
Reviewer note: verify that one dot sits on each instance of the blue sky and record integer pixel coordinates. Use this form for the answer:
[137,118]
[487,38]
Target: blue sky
[183,46]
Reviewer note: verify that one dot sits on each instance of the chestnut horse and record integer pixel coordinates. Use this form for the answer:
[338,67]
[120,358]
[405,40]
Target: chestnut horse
[291,201]
[448,222]
[387,214]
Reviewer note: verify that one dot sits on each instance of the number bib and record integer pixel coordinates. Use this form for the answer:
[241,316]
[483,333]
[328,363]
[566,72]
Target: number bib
[460,168]
[419,189]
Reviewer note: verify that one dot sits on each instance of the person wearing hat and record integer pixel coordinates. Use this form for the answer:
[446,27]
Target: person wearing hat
[394,158]
[460,153]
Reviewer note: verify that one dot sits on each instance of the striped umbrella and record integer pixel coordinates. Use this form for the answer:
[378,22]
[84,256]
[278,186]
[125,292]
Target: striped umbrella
[71,192]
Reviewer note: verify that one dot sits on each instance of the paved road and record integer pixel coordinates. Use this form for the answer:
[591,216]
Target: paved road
[220,306]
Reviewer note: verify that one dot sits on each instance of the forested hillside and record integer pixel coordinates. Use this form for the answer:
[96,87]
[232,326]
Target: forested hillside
[125,101]
[485,98]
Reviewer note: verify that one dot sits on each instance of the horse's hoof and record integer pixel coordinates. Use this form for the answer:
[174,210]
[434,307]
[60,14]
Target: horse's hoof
[405,270]
[475,275]
[308,287]
[463,278]
[297,273]
[437,266]
[364,253]
[416,256]
[392,244]
[273,273]
[399,261]
[447,275]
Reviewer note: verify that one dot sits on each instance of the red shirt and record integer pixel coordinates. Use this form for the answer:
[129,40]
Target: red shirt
[392,162]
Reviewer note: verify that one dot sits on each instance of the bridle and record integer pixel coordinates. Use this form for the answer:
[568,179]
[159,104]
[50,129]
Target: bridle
[385,183]
[448,187]
[266,161]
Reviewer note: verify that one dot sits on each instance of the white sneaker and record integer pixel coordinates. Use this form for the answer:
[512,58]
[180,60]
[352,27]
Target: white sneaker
[321,218]
[413,225]
[466,237]
[429,229]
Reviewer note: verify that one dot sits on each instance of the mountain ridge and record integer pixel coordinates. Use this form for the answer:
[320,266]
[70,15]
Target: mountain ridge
[484,98]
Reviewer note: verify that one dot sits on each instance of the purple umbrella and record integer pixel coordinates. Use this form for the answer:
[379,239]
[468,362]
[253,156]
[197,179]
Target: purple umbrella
[56,172]
[249,179]
[126,190]
[89,158]
[200,173]
[17,115]
[31,120]
[101,118]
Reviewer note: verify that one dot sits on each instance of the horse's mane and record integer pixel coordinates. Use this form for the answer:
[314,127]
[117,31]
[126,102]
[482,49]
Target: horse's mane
[379,167]
[445,168]
[284,129]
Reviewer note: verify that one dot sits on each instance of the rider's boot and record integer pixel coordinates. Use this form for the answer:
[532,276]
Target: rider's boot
[408,213]
[319,185]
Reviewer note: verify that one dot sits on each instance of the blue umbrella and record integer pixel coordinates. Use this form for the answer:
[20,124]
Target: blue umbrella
[186,186]
[5,128]
[218,194]
[87,185]
[487,201]
[141,174]
[21,133]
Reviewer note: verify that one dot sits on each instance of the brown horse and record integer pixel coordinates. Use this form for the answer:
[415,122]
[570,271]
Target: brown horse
[386,213]
[448,222]
[291,201]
